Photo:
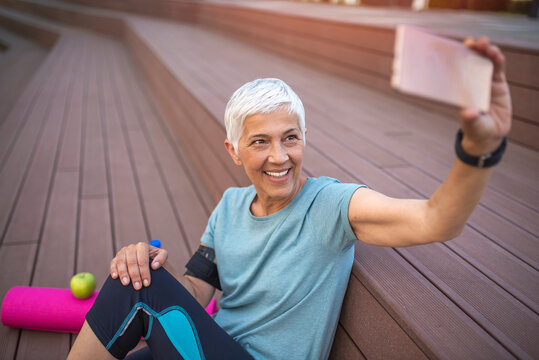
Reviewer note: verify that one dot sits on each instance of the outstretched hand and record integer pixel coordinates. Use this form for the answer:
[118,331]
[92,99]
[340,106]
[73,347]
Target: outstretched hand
[132,264]
[483,132]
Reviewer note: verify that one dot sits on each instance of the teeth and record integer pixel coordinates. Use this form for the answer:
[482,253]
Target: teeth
[277,174]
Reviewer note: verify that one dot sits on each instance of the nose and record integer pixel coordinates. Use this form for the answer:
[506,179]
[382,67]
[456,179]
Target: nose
[278,154]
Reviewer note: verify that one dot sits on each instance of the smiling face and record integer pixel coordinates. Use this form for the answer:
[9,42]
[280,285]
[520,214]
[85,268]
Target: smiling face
[271,152]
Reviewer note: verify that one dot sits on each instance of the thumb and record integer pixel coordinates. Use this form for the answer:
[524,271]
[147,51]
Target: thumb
[470,120]
[468,116]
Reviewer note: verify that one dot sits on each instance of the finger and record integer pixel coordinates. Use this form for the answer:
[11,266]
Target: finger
[121,266]
[496,56]
[113,269]
[133,266]
[469,115]
[469,42]
[143,264]
[159,259]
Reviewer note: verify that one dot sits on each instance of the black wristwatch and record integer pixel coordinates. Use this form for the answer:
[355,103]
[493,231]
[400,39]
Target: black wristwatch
[482,161]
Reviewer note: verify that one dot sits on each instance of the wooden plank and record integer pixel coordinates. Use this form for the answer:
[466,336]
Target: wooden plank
[213,131]
[128,218]
[94,243]
[516,330]
[58,239]
[521,244]
[36,341]
[14,168]
[343,347]
[19,63]
[160,214]
[44,36]
[435,323]
[175,102]
[525,104]
[15,121]
[191,210]
[372,329]
[27,217]
[375,39]
[11,127]
[69,158]
[94,169]
[310,45]
[521,67]
[525,132]
[16,262]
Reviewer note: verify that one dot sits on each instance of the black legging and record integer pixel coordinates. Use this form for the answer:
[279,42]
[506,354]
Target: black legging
[172,322]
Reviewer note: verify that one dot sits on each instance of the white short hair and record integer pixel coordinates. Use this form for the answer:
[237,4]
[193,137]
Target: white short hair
[260,96]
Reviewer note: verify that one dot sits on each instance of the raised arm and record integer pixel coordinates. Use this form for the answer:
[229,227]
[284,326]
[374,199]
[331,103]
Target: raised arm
[381,220]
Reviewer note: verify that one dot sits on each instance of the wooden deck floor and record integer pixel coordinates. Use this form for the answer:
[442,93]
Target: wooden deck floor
[88,164]
[19,59]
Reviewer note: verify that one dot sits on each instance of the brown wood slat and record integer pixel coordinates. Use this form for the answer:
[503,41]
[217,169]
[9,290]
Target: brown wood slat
[372,329]
[19,61]
[128,218]
[192,213]
[521,243]
[94,247]
[45,37]
[436,324]
[14,170]
[343,347]
[12,125]
[522,69]
[16,262]
[94,242]
[58,238]
[36,341]
[28,213]
[160,214]
[94,169]
[179,104]
[310,45]
[517,329]
[525,103]
[213,107]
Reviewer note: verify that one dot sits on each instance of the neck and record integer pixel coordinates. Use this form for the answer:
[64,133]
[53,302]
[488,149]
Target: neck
[264,205]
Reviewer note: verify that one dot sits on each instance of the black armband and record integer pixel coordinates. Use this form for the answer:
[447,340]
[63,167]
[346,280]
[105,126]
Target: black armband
[202,267]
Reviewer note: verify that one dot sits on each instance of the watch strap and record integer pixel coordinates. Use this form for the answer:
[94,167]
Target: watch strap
[482,161]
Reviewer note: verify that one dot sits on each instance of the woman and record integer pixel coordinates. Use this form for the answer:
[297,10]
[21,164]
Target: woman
[281,249]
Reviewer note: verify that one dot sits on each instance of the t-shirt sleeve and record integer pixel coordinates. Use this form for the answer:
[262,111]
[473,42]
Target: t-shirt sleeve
[208,238]
[330,217]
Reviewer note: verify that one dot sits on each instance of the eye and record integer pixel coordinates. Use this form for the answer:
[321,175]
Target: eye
[291,138]
[258,142]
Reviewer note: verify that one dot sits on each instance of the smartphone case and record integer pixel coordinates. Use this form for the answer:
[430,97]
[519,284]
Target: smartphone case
[440,69]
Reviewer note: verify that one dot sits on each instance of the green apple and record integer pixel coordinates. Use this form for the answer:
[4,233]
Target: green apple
[83,285]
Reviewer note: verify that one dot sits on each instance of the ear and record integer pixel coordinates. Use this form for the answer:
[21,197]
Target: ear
[232,152]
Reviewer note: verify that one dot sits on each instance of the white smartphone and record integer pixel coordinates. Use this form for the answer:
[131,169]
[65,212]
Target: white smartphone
[440,69]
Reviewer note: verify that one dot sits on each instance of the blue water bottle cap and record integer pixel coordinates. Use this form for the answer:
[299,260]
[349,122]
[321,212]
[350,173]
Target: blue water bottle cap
[156,243]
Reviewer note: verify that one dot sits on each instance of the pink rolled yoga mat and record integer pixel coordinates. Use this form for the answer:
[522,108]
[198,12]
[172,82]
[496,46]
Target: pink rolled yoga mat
[48,309]
[51,309]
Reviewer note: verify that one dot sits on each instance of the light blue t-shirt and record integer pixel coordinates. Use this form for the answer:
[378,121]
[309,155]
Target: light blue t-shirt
[284,275]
